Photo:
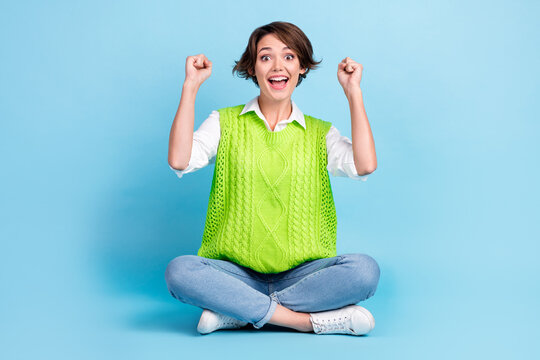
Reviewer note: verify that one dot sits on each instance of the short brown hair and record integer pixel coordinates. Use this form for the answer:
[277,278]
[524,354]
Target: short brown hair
[289,34]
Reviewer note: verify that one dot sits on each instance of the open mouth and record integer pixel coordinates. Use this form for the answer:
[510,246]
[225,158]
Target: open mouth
[279,82]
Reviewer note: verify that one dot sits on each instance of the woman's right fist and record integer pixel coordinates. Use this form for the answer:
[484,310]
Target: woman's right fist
[198,69]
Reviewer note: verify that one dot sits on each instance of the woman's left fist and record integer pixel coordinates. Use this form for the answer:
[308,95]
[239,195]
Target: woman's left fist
[349,74]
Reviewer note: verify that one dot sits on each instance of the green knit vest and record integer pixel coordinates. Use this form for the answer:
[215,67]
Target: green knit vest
[271,206]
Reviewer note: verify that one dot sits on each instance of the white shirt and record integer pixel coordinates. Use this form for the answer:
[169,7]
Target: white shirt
[206,141]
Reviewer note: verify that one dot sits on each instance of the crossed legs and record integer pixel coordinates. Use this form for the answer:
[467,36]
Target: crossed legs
[284,299]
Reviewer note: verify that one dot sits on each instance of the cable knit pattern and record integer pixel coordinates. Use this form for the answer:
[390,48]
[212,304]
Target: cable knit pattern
[271,206]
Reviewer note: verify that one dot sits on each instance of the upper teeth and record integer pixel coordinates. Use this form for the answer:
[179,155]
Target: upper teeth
[278,78]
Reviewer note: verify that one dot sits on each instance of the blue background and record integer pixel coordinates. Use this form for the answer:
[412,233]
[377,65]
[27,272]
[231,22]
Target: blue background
[91,213]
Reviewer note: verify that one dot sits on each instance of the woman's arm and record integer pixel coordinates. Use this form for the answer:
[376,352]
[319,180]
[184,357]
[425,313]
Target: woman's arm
[349,76]
[365,158]
[340,155]
[198,69]
[181,135]
[205,144]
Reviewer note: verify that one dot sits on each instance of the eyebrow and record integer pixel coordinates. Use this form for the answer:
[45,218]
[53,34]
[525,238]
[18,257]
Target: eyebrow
[269,48]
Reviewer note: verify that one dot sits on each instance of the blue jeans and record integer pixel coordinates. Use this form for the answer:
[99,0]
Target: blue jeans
[242,293]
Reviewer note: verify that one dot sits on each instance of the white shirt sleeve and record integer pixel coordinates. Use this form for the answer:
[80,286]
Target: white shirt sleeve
[340,156]
[205,145]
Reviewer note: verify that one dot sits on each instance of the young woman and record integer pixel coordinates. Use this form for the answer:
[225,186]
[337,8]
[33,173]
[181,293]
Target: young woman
[268,252]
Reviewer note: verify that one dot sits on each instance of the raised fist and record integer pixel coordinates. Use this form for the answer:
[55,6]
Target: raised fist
[198,69]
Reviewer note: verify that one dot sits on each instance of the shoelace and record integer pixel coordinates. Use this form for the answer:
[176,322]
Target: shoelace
[333,324]
[229,321]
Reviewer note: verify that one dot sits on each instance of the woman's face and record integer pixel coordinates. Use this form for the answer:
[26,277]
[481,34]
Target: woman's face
[274,58]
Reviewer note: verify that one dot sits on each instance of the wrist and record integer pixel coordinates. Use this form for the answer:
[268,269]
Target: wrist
[353,92]
[190,86]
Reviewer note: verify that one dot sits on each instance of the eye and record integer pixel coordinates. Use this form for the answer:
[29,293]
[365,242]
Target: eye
[262,57]
[291,55]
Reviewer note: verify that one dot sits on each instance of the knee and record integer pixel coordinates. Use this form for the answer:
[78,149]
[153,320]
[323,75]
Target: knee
[179,269]
[366,272]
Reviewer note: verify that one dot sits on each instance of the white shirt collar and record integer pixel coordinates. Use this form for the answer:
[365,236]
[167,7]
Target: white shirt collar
[296,114]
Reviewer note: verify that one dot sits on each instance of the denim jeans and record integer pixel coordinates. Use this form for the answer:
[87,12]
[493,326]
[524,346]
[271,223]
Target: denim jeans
[242,293]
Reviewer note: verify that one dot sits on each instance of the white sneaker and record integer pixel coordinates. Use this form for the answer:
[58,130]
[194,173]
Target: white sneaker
[351,319]
[212,321]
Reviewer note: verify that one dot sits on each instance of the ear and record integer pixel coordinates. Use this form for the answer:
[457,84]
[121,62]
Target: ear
[303,71]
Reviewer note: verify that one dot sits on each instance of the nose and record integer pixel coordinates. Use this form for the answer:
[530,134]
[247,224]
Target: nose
[277,65]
